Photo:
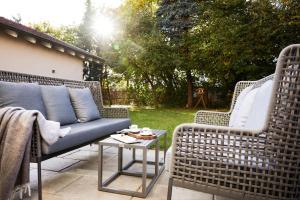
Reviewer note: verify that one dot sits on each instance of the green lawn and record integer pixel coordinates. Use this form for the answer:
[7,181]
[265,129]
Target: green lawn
[166,119]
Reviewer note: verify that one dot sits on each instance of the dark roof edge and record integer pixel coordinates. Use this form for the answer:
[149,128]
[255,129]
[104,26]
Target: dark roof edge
[42,37]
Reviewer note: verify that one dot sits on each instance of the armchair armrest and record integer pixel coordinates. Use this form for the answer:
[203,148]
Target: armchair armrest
[206,147]
[212,118]
[221,118]
[214,158]
[109,112]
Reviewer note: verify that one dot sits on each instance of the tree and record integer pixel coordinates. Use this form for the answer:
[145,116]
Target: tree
[86,40]
[162,49]
[242,39]
[65,33]
[85,32]
[17,18]
[176,19]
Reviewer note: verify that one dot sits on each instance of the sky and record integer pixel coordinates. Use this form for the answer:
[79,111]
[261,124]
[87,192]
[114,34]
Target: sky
[57,12]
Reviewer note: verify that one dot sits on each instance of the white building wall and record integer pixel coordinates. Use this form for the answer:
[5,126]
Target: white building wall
[19,55]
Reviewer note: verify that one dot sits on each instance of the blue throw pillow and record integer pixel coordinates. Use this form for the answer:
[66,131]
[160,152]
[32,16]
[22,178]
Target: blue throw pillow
[58,104]
[84,104]
[25,95]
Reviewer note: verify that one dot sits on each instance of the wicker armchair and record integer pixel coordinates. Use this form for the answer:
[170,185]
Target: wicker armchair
[241,163]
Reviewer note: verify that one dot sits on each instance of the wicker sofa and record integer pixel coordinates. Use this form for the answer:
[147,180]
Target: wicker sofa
[241,163]
[112,120]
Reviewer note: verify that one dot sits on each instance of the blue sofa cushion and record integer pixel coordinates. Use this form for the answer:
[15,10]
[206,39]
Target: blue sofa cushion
[84,104]
[87,132]
[58,104]
[25,95]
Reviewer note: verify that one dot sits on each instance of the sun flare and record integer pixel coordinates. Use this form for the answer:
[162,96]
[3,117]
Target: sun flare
[104,26]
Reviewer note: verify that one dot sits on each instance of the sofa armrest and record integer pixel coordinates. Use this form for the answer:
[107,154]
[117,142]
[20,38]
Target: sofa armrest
[36,144]
[212,118]
[109,112]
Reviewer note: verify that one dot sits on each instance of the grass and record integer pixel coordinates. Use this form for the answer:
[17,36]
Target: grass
[166,119]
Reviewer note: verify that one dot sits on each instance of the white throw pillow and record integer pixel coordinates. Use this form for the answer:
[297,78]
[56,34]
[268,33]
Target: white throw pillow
[260,107]
[245,109]
[239,100]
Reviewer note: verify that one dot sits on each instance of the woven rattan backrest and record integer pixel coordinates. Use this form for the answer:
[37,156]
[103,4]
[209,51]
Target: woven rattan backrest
[241,85]
[284,125]
[259,82]
[42,80]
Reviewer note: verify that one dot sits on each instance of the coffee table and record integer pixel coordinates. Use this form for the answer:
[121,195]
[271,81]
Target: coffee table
[144,145]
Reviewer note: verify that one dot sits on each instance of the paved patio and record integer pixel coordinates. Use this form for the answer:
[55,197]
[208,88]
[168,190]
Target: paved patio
[74,175]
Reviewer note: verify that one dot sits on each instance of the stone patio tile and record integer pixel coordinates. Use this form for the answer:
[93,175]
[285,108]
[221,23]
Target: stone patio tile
[87,188]
[55,164]
[163,179]
[83,172]
[82,155]
[46,196]
[157,193]
[138,167]
[65,154]
[45,175]
[93,147]
[79,180]
[86,165]
[182,193]
[127,183]
[54,184]
[150,155]
[222,198]
[110,164]
[110,150]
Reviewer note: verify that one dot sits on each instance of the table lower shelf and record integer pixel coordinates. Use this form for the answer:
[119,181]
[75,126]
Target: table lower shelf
[104,186]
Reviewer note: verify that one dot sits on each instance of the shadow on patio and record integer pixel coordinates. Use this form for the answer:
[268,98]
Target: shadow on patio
[74,175]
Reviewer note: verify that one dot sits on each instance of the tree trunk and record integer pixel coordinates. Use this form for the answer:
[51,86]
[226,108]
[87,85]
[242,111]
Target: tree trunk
[107,86]
[153,89]
[189,79]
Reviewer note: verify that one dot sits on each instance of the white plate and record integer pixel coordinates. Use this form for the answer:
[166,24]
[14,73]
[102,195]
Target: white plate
[134,130]
[146,133]
[127,130]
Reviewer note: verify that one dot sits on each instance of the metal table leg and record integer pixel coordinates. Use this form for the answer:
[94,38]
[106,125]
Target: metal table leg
[144,172]
[165,147]
[133,154]
[120,159]
[100,166]
[156,163]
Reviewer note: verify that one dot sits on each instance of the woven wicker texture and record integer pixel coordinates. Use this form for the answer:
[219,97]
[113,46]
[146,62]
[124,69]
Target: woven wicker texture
[222,118]
[246,164]
[94,86]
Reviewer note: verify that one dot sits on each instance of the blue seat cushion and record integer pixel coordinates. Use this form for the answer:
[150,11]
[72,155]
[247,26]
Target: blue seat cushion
[85,132]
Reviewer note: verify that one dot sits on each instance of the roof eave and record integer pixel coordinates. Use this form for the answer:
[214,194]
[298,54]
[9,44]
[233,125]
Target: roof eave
[18,30]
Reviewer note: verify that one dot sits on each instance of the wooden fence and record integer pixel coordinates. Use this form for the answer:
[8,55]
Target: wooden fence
[116,97]
[122,97]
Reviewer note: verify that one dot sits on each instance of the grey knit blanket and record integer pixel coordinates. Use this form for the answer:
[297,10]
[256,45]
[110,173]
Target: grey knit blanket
[16,129]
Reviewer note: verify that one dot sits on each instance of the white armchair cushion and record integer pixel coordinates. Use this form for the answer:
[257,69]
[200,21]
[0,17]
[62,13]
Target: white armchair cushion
[260,108]
[237,106]
[168,159]
[240,99]
[245,109]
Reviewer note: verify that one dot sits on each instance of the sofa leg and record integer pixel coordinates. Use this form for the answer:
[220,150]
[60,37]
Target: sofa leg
[39,180]
[170,187]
